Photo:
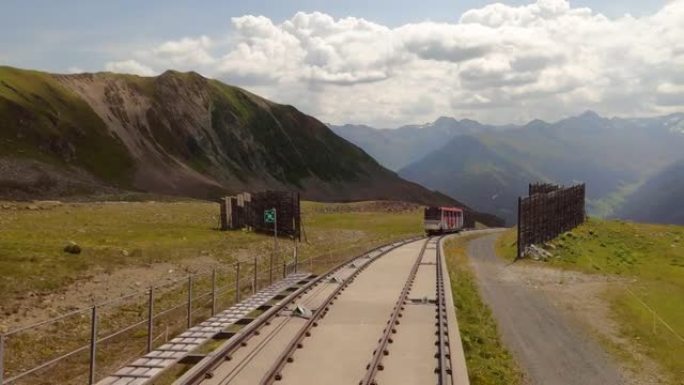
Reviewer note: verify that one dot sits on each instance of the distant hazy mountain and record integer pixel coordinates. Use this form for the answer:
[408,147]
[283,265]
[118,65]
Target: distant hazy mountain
[471,170]
[397,148]
[659,199]
[613,156]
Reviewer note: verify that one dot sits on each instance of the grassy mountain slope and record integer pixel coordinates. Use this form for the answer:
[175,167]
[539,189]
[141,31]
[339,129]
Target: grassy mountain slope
[659,199]
[612,156]
[43,121]
[177,133]
[604,153]
[467,168]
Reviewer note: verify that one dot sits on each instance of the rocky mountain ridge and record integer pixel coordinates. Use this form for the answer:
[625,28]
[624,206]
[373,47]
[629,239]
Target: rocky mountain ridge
[174,134]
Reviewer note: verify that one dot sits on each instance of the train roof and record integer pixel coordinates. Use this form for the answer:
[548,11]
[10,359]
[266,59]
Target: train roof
[446,208]
[451,208]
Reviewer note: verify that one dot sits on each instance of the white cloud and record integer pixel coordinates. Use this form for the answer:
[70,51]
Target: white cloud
[187,51]
[498,63]
[75,70]
[130,67]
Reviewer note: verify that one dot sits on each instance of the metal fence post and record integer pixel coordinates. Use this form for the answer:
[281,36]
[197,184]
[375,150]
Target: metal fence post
[2,357]
[237,282]
[213,292]
[270,270]
[189,301]
[296,256]
[284,269]
[93,345]
[254,281]
[150,319]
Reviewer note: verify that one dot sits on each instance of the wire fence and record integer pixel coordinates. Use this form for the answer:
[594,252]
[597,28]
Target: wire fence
[657,318]
[84,345]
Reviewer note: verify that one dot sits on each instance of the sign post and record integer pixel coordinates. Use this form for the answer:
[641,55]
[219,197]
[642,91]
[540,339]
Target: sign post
[271,216]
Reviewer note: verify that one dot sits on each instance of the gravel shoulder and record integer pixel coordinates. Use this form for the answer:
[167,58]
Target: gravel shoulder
[550,346]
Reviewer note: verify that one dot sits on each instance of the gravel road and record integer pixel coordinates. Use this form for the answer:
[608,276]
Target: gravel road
[550,348]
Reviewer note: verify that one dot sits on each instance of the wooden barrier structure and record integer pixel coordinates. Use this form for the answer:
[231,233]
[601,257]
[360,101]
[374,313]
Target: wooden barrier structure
[246,210]
[542,188]
[548,211]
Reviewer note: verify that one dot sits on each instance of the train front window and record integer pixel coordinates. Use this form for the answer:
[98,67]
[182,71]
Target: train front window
[432,213]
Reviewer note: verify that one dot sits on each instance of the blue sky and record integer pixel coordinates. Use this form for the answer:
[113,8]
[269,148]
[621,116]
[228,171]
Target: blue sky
[383,63]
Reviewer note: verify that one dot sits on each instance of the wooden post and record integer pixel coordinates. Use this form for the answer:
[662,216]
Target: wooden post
[224,214]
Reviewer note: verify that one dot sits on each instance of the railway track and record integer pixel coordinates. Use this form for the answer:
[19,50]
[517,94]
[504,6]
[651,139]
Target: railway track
[391,331]
[232,358]
[380,319]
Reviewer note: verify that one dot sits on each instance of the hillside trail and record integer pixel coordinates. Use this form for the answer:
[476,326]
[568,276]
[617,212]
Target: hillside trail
[548,344]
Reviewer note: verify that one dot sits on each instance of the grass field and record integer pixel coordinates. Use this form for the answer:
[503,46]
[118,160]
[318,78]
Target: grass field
[649,304]
[138,236]
[114,235]
[488,361]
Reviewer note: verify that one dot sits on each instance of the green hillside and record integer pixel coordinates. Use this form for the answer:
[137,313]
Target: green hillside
[469,169]
[659,199]
[43,120]
[175,134]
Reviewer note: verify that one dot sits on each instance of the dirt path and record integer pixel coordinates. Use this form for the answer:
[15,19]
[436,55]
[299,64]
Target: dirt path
[550,347]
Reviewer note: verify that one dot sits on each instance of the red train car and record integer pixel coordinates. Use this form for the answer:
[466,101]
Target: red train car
[440,220]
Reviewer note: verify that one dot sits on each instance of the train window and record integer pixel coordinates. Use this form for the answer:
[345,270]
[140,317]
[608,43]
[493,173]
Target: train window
[432,213]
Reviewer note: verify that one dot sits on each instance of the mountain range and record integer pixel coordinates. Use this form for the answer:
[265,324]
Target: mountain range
[659,199]
[175,134]
[489,166]
[397,148]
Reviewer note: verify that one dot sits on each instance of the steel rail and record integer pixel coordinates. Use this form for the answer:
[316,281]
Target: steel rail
[443,373]
[274,372]
[261,345]
[381,350]
[195,376]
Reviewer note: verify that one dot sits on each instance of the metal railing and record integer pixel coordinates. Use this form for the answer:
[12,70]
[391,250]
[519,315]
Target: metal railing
[75,341]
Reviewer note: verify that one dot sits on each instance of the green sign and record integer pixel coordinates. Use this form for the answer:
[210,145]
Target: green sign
[269,215]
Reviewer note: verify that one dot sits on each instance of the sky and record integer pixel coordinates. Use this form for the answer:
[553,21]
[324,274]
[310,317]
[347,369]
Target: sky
[382,63]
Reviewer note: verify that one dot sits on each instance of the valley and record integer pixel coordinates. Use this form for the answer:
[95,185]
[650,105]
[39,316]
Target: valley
[487,167]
